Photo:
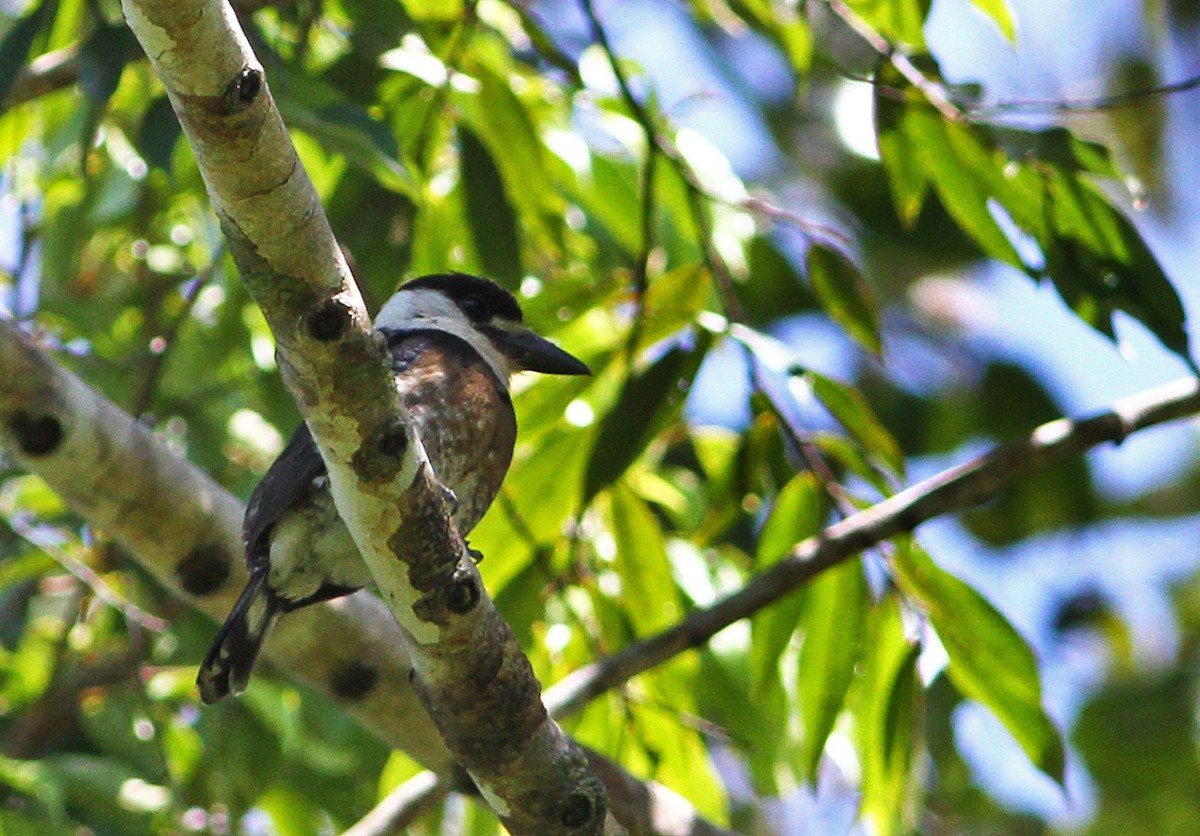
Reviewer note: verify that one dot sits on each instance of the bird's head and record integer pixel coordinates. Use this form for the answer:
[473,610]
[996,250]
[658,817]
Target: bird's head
[483,314]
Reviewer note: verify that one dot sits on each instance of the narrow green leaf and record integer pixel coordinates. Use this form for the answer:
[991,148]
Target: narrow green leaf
[672,301]
[834,624]
[648,593]
[14,49]
[795,514]
[965,173]
[847,405]
[1001,15]
[885,705]
[840,289]
[908,180]
[898,21]
[493,223]
[989,660]
[158,133]
[648,403]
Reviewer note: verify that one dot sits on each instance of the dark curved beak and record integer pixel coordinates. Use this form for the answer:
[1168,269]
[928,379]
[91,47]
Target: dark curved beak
[536,353]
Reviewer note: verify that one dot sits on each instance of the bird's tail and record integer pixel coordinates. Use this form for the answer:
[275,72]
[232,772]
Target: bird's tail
[226,668]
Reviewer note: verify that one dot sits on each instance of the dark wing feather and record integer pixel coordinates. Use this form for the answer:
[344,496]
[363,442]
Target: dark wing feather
[288,479]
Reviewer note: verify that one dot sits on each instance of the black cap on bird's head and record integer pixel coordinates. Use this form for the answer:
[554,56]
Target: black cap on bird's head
[472,307]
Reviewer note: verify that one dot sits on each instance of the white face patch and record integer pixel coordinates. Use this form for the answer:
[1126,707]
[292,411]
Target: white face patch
[429,309]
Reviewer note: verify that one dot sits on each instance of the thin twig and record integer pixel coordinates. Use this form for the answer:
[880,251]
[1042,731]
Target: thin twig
[955,489]
[1125,98]
[158,359]
[934,93]
[402,806]
[31,533]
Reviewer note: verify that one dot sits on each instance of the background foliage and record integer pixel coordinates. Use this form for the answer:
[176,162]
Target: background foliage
[781,329]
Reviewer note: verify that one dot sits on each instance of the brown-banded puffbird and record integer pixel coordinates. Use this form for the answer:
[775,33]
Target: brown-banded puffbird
[454,341]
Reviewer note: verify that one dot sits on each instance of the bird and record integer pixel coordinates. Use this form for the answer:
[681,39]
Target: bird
[454,342]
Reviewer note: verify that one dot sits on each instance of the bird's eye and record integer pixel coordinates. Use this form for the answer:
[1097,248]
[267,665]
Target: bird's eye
[475,308]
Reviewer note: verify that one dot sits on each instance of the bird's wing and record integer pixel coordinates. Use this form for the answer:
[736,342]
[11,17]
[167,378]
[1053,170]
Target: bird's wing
[288,479]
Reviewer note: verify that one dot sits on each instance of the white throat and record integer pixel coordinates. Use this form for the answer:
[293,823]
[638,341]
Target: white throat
[431,310]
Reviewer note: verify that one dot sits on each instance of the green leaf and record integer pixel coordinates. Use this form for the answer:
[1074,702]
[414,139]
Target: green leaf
[673,301]
[850,409]
[648,403]
[1001,15]
[898,21]
[834,625]
[493,223]
[885,705]
[989,660]
[908,179]
[648,593]
[14,50]
[795,514]
[158,133]
[841,291]
[784,26]
[1099,263]
[338,124]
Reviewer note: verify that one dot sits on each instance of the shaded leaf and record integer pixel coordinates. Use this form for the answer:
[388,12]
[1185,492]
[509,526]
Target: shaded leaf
[989,660]
[850,409]
[493,223]
[843,294]
[14,50]
[648,402]
[158,133]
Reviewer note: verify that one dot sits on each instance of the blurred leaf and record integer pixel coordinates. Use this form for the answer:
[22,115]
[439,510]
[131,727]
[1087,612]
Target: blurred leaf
[835,625]
[896,20]
[850,409]
[434,10]
[493,224]
[786,28]
[673,301]
[989,661]
[102,59]
[843,294]
[341,126]
[1001,15]
[885,706]
[158,133]
[1137,737]
[1097,260]
[649,402]
[648,593]
[14,49]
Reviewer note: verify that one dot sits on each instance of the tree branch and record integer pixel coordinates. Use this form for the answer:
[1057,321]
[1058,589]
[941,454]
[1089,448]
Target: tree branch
[955,489]
[468,668]
[185,530]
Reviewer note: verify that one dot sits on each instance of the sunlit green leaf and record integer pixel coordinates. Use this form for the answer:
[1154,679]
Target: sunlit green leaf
[851,410]
[989,661]
[648,593]
[834,624]
[886,702]
[1001,15]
